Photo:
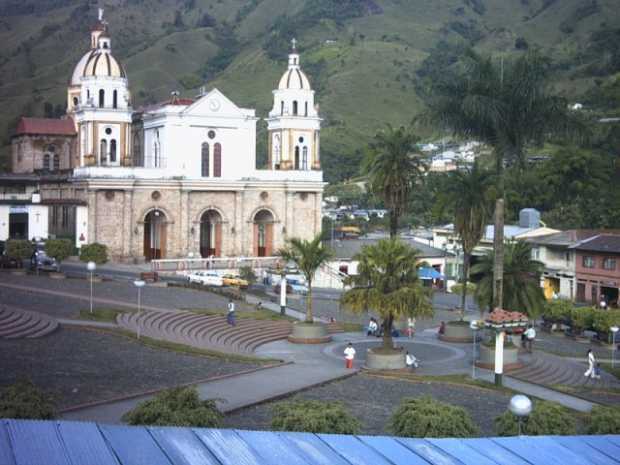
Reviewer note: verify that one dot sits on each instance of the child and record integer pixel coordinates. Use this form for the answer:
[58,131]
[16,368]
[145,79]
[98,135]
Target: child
[349,355]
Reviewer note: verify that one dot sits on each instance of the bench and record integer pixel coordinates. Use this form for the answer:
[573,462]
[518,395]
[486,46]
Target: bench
[150,276]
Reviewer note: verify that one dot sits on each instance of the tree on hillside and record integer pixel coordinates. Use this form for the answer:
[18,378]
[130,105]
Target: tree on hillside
[394,166]
[308,256]
[469,194]
[507,105]
[387,282]
[522,291]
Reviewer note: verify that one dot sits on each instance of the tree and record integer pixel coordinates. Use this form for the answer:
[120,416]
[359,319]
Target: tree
[387,282]
[308,256]
[547,418]
[314,416]
[468,192]
[60,249]
[394,166]
[522,291]
[175,407]
[509,106]
[19,249]
[426,417]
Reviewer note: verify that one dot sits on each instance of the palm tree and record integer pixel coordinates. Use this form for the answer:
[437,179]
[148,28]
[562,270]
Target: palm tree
[308,256]
[387,282]
[522,291]
[507,105]
[393,166]
[468,193]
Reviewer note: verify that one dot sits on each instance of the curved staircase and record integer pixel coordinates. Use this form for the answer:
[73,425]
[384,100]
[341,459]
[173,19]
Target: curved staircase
[207,331]
[17,324]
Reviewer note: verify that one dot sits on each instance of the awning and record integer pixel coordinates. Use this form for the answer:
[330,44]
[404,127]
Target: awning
[429,273]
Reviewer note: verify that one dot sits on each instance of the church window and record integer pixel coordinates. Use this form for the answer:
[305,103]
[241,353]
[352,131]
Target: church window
[56,162]
[211,134]
[75,101]
[304,159]
[217,160]
[87,94]
[108,131]
[46,161]
[306,109]
[301,140]
[113,151]
[205,160]
[103,150]
[281,108]
[84,141]
[101,98]
[297,157]
[295,107]
[115,99]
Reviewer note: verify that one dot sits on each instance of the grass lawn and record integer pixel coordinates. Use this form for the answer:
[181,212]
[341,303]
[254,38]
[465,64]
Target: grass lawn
[101,314]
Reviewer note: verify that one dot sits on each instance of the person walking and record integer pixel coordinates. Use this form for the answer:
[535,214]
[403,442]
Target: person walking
[230,317]
[410,327]
[349,355]
[591,372]
[530,335]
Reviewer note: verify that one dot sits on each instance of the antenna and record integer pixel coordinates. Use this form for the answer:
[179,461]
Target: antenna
[100,14]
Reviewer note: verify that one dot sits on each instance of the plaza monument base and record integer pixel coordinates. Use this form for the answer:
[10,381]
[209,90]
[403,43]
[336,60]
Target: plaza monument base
[457,331]
[309,333]
[385,361]
[486,357]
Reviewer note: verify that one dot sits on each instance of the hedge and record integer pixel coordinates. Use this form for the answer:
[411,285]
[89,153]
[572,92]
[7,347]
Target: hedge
[547,418]
[604,420]
[20,249]
[313,416]
[24,400]
[95,252]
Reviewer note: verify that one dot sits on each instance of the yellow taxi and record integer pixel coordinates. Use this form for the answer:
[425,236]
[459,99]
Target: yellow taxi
[236,281]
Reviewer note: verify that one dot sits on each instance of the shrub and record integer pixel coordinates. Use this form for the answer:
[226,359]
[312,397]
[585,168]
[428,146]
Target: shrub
[314,416]
[175,407]
[581,319]
[24,400]
[604,420]
[60,249]
[247,273]
[19,248]
[557,311]
[547,418]
[427,417]
[602,320]
[458,288]
[95,252]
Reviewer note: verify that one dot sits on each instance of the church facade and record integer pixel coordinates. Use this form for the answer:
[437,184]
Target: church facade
[174,179]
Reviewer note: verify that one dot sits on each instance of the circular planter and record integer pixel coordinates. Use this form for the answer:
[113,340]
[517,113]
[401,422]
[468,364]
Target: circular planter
[309,333]
[457,331]
[486,357]
[385,361]
[56,275]
[19,272]
[96,279]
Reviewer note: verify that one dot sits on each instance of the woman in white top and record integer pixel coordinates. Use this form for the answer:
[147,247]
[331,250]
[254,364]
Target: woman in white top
[591,371]
[410,327]
[349,355]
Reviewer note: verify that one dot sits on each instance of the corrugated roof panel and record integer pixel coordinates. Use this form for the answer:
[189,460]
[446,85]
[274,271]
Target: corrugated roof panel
[353,450]
[429,452]
[494,451]
[134,445]
[603,444]
[314,449]
[566,455]
[579,446]
[182,446]
[272,448]
[612,438]
[6,454]
[536,452]
[36,442]
[85,444]
[458,448]
[228,447]
[393,450]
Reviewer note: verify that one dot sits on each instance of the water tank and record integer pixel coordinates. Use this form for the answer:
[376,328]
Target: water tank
[529,218]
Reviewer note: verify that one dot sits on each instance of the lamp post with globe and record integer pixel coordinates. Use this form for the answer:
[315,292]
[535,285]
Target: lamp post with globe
[139,284]
[614,330]
[474,327]
[91,267]
[521,407]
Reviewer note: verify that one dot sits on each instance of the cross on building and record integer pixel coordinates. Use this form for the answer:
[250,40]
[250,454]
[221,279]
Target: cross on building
[294,43]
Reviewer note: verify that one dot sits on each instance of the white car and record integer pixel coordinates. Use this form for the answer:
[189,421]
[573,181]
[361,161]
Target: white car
[205,278]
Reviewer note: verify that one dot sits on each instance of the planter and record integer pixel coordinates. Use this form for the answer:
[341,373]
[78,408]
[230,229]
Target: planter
[309,333]
[385,361]
[457,331]
[486,357]
[96,279]
[56,275]
[19,272]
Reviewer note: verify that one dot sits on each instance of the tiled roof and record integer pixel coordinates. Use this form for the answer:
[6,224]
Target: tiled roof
[609,243]
[46,126]
[570,237]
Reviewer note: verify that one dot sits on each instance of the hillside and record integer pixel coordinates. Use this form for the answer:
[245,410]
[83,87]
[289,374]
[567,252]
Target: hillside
[369,60]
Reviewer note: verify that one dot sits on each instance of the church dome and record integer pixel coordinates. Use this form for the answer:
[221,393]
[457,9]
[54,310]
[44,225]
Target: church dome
[101,63]
[294,78]
[78,71]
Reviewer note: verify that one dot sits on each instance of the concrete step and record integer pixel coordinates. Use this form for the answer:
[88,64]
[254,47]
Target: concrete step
[51,326]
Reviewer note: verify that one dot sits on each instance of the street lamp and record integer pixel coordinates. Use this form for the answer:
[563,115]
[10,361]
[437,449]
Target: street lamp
[614,330]
[521,407]
[91,267]
[474,327]
[283,294]
[139,284]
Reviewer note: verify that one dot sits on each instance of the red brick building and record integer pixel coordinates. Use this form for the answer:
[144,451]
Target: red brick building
[597,269]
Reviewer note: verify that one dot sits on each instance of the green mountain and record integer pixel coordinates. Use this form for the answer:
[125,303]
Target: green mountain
[369,60]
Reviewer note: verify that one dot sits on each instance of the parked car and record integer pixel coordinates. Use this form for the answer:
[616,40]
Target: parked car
[232,280]
[205,278]
[299,288]
[41,261]
[8,262]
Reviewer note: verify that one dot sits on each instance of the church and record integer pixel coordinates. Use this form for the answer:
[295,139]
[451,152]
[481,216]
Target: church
[170,180]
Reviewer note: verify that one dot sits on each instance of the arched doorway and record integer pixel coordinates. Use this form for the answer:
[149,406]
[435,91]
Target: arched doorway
[263,233]
[210,234]
[155,235]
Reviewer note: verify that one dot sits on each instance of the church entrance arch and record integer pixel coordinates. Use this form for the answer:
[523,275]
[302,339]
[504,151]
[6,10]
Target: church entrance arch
[210,234]
[263,233]
[155,235]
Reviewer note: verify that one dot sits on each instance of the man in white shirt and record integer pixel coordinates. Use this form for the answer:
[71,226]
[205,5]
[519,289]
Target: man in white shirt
[411,361]
[230,318]
[530,335]
[349,355]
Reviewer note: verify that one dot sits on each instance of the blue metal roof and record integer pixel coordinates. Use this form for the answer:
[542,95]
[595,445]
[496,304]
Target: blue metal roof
[30,442]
